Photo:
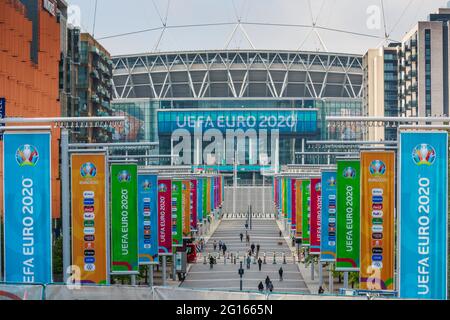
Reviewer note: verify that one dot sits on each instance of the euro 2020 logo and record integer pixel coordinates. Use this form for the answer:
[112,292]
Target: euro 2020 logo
[377,168]
[27,156]
[124,176]
[162,187]
[331,182]
[424,154]
[318,187]
[88,170]
[146,185]
[349,173]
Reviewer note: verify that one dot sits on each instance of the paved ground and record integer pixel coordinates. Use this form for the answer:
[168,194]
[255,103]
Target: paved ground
[225,276]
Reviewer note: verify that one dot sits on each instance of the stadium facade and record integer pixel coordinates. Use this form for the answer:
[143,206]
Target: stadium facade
[290,92]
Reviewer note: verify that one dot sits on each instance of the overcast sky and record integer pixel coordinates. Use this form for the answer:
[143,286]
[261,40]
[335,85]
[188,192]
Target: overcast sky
[115,17]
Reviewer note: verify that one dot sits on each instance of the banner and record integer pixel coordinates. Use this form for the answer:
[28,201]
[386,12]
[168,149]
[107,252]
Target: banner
[377,220]
[27,208]
[164,217]
[200,200]
[205,199]
[293,205]
[208,196]
[194,205]
[89,236]
[328,227]
[316,216]
[147,219]
[348,215]
[288,201]
[124,218]
[177,213]
[298,209]
[186,208]
[306,208]
[423,215]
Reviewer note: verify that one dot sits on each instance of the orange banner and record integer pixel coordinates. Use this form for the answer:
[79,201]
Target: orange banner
[186,194]
[298,208]
[89,252]
[377,220]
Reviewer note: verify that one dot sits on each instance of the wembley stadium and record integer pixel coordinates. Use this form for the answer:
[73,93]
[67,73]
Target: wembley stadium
[150,89]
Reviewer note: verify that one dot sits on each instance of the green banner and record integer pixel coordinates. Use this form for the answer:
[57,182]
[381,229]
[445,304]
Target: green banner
[306,214]
[205,199]
[285,198]
[348,215]
[177,214]
[124,219]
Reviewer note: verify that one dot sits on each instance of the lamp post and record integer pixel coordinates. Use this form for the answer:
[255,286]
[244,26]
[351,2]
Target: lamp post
[241,274]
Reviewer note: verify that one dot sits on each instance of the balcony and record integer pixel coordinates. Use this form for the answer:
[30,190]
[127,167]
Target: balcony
[95,75]
[95,98]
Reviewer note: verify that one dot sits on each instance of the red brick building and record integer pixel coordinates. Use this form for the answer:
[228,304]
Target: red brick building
[29,70]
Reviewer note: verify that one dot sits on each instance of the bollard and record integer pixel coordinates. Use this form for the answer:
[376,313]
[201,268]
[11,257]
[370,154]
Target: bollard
[264,258]
[293,257]
[274,258]
[284,258]
[204,260]
[224,259]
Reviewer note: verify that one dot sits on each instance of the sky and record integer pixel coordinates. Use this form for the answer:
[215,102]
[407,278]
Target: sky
[344,26]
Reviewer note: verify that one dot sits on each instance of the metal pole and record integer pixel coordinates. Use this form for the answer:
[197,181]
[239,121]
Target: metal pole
[234,182]
[65,197]
[303,150]
[320,274]
[150,275]
[164,266]
[263,197]
[330,279]
[345,280]
[108,219]
[312,270]
[174,267]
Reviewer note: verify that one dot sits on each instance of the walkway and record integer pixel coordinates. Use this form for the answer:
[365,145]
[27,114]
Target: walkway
[224,276]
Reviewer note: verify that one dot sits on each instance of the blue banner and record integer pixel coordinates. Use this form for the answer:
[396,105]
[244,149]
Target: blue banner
[328,225]
[423,215]
[289,200]
[148,219]
[200,200]
[27,206]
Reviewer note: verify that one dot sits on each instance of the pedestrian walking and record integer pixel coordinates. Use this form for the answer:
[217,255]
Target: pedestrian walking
[270,286]
[281,233]
[280,272]
[248,238]
[259,264]
[224,249]
[267,281]
[258,247]
[321,290]
[241,236]
[215,245]
[211,262]
[220,245]
[248,262]
[260,287]
[252,247]
[246,225]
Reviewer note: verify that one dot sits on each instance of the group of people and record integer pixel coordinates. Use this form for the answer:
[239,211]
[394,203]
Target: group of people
[222,246]
[268,282]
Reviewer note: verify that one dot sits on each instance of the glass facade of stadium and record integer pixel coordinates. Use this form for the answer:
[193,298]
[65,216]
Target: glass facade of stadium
[160,93]
[144,124]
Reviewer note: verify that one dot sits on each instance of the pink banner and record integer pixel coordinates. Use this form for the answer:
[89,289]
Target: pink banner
[293,205]
[316,211]
[164,217]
